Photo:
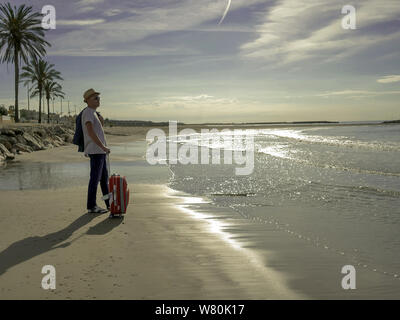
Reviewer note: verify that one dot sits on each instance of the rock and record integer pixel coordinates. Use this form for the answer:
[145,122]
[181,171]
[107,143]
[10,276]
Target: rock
[8,132]
[67,138]
[40,132]
[49,132]
[29,139]
[48,143]
[4,141]
[33,138]
[12,140]
[56,144]
[40,141]
[59,139]
[7,154]
[59,130]
[18,132]
[23,148]
[21,139]
[32,142]
[36,136]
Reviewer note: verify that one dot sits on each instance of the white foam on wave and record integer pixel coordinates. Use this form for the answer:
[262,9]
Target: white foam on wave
[343,141]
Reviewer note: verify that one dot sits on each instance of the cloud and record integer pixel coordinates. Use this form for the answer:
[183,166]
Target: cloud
[83,3]
[195,109]
[357,93]
[291,33]
[86,9]
[122,34]
[194,101]
[84,6]
[193,98]
[389,79]
[79,22]
[112,12]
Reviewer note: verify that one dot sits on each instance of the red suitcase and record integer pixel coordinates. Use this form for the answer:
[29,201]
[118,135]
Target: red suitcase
[119,195]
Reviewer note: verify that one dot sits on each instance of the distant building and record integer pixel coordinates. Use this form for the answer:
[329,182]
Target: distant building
[6,119]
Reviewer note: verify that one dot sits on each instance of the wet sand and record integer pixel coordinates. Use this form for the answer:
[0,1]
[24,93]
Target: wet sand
[160,250]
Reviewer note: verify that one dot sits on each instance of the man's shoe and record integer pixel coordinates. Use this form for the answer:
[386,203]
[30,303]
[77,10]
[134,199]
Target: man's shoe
[97,209]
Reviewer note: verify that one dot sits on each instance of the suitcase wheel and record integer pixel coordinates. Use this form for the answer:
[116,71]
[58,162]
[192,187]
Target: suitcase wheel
[111,216]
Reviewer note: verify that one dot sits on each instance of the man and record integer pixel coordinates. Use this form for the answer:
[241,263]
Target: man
[95,148]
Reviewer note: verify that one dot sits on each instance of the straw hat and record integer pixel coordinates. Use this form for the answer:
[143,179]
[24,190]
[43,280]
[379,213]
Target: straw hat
[89,93]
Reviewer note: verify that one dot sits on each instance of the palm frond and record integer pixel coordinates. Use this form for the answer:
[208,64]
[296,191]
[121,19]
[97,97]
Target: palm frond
[21,39]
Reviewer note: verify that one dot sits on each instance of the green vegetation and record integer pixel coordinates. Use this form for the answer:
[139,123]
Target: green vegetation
[21,40]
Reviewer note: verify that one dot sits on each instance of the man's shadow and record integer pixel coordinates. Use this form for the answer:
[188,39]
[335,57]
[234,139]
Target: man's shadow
[30,247]
[105,226]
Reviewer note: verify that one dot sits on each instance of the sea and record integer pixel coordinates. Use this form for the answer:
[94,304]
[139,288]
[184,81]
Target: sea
[334,189]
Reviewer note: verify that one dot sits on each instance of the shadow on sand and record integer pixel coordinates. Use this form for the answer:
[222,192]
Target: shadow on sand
[30,247]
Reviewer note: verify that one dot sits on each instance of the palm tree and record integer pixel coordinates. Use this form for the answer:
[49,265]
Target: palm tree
[52,89]
[21,38]
[38,72]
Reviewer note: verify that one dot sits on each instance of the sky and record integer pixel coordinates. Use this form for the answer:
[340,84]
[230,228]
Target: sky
[200,61]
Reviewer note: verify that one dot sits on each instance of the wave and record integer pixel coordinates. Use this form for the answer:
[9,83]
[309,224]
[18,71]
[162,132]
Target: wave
[249,194]
[217,139]
[363,189]
[341,141]
[279,152]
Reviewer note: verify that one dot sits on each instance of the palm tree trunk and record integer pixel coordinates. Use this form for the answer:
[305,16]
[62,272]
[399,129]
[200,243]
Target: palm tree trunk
[48,110]
[40,106]
[16,65]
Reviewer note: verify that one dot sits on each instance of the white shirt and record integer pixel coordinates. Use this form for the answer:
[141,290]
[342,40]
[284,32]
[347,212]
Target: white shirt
[90,115]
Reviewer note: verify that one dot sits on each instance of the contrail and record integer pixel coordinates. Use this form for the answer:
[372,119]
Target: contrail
[226,12]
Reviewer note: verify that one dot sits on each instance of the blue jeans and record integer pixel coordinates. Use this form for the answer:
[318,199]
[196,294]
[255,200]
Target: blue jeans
[98,173]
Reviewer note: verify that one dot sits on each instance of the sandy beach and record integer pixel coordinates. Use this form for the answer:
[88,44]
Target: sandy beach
[160,250]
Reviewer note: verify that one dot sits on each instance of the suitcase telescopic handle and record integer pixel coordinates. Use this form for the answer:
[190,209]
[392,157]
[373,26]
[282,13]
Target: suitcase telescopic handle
[108,164]
[110,195]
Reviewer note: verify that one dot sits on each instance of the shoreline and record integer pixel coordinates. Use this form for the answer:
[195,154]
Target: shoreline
[125,134]
[158,251]
[314,271]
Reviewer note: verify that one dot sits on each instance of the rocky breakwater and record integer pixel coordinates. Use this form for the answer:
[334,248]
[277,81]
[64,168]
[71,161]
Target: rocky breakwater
[19,140]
